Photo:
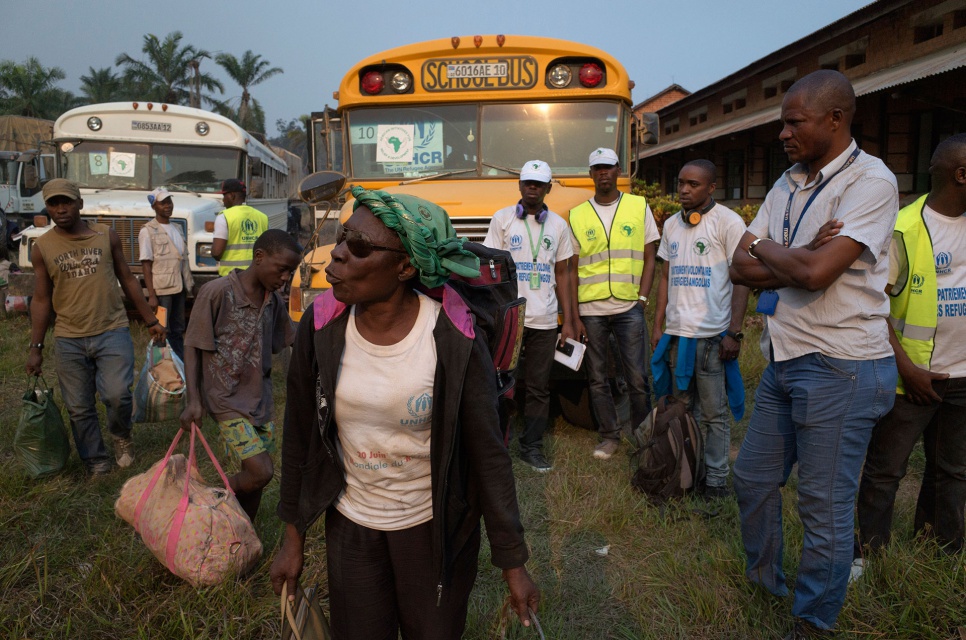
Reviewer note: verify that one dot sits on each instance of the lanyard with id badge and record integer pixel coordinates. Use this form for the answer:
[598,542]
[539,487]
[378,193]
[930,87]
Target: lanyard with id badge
[535,249]
[768,299]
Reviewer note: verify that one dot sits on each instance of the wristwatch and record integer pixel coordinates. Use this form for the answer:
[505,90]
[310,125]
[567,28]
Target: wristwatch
[36,345]
[643,299]
[751,248]
[736,335]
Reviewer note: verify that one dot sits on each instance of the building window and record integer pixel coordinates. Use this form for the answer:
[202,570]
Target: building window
[734,175]
[778,83]
[734,101]
[777,162]
[959,19]
[927,32]
[672,126]
[698,116]
[845,57]
[854,60]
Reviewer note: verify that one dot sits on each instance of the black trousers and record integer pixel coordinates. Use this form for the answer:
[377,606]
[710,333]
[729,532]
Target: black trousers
[942,496]
[383,582]
[538,348]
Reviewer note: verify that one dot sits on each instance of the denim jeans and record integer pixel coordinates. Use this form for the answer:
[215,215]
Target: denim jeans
[103,363]
[942,496]
[630,331]
[538,349]
[818,411]
[175,304]
[707,399]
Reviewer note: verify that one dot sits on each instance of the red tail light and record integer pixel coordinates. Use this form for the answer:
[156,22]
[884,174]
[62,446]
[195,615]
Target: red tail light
[373,83]
[591,74]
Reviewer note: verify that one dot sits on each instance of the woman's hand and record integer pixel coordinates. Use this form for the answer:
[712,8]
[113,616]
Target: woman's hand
[287,566]
[524,594]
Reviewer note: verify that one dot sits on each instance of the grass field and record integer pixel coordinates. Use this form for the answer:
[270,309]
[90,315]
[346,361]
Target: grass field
[69,568]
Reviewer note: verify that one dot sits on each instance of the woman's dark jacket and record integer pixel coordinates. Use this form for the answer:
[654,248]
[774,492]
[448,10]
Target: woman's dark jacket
[470,466]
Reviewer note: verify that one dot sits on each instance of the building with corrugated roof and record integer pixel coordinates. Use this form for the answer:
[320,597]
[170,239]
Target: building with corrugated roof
[906,60]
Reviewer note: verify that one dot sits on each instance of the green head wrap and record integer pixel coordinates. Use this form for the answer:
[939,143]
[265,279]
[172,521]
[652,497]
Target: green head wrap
[426,234]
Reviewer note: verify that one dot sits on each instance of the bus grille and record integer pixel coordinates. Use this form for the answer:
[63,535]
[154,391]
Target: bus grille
[471,228]
[127,229]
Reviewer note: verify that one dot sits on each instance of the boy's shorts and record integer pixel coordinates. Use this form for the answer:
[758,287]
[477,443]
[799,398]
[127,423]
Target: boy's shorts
[244,440]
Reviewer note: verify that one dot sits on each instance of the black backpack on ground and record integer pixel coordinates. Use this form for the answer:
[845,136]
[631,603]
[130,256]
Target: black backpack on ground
[495,301]
[669,461]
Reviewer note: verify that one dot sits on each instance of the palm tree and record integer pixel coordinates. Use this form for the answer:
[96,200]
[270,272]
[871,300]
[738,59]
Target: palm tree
[248,72]
[102,85]
[169,70]
[28,89]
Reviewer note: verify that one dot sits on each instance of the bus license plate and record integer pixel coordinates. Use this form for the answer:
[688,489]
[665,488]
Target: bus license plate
[477,70]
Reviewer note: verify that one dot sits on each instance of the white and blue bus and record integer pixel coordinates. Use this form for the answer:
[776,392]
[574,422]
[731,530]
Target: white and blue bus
[119,152]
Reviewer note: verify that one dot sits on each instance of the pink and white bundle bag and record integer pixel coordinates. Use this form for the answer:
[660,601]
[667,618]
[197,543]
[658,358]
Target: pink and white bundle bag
[200,533]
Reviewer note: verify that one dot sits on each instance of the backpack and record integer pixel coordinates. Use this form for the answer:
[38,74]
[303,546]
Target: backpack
[669,461]
[499,310]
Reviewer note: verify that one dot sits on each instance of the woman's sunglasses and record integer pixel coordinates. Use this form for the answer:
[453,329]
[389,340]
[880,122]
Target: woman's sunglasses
[359,243]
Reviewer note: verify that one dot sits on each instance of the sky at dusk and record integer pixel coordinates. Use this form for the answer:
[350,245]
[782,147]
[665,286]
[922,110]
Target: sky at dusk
[691,43]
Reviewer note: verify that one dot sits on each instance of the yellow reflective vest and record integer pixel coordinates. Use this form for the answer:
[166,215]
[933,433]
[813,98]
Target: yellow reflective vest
[610,261]
[914,296]
[245,224]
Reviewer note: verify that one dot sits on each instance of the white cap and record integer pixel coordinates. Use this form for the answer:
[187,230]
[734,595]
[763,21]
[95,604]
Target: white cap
[535,170]
[603,156]
[158,195]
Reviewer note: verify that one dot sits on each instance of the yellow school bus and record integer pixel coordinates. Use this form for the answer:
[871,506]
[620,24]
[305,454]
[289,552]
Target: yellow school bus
[453,120]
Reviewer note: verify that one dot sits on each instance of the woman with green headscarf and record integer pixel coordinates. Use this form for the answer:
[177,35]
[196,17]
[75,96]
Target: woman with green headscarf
[391,429]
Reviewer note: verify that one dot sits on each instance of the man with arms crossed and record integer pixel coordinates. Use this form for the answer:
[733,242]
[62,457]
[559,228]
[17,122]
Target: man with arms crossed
[927,285]
[615,233]
[831,373]
[704,311]
[77,267]
[539,241]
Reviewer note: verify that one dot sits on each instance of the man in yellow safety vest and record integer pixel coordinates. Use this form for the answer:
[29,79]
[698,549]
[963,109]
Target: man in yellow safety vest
[927,289]
[236,229]
[615,237]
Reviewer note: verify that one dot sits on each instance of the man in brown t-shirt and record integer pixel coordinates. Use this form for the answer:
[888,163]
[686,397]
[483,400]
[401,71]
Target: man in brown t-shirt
[77,267]
[237,322]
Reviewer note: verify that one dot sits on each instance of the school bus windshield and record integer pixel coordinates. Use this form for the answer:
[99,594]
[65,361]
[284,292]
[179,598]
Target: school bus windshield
[483,140]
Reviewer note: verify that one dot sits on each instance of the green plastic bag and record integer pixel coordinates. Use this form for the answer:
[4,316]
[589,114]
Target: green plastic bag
[41,442]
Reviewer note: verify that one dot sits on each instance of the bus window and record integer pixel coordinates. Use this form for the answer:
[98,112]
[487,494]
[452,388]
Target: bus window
[198,169]
[116,165]
[443,140]
[562,134]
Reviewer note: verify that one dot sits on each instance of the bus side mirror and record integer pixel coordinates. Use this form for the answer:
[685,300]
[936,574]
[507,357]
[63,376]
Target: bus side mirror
[321,186]
[647,128]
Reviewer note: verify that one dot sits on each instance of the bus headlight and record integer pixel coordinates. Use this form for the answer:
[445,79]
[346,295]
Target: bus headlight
[401,82]
[560,76]
[204,250]
[309,295]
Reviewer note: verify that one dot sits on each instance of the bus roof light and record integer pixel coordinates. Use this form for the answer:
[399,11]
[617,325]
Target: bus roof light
[591,74]
[478,41]
[335,96]
[150,106]
[500,39]
[202,128]
[455,40]
[94,123]
[559,76]
[135,104]
[164,107]
[401,82]
[373,83]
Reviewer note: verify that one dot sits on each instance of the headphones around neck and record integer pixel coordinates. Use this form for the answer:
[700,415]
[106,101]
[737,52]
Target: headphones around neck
[693,217]
[541,215]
